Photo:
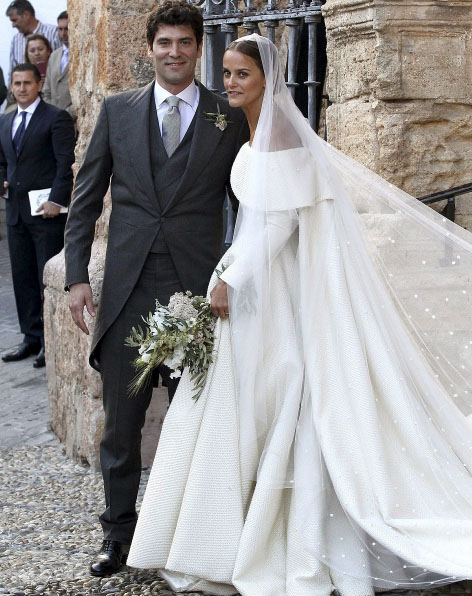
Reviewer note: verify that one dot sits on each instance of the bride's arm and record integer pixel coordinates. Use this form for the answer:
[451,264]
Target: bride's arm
[278,228]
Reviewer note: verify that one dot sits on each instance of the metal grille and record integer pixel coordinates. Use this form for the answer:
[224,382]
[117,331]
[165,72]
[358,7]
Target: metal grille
[223,19]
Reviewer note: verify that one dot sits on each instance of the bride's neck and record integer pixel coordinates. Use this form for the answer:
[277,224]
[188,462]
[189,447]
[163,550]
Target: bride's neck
[252,117]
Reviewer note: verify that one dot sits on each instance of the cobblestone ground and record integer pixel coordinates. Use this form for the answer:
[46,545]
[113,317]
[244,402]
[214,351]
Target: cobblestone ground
[48,524]
[23,393]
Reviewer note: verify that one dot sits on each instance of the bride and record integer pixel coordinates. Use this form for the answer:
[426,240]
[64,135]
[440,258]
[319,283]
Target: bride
[331,447]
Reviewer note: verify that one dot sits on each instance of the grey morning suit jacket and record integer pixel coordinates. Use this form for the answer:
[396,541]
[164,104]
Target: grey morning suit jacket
[191,222]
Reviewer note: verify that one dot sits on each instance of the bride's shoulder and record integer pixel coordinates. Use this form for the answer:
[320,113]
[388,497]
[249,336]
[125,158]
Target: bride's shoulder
[295,160]
[286,178]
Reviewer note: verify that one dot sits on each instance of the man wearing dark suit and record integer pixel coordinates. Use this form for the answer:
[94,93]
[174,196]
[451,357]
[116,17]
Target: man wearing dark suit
[169,167]
[36,152]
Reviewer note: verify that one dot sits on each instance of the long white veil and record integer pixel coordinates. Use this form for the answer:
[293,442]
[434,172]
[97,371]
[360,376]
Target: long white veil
[379,370]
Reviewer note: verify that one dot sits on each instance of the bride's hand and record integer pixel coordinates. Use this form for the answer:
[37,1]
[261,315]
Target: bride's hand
[219,300]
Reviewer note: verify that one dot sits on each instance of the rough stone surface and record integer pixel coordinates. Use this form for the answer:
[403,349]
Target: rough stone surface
[400,79]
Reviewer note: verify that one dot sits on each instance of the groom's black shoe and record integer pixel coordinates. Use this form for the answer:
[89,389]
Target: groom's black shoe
[110,558]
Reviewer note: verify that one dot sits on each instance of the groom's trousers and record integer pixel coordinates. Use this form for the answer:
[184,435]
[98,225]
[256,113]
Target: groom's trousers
[120,449]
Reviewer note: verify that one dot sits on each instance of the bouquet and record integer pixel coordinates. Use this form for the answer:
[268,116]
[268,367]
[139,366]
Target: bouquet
[178,335]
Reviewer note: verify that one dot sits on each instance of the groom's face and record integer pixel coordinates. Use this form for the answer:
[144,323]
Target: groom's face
[175,54]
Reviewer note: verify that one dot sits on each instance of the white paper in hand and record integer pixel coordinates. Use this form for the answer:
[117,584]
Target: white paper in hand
[38,197]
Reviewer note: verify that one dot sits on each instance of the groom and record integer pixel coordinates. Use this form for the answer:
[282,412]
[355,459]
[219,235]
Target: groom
[169,166]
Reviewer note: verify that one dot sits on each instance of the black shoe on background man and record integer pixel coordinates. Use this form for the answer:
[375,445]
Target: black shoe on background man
[24,350]
[110,558]
[40,360]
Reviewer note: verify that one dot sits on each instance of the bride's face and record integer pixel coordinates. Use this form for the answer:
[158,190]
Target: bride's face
[243,80]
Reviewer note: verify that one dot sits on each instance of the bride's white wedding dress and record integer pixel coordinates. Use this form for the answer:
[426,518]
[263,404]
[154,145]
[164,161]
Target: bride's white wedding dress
[202,515]
[331,447]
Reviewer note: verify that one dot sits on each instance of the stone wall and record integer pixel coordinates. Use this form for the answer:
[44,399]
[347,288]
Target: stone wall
[400,79]
[107,55]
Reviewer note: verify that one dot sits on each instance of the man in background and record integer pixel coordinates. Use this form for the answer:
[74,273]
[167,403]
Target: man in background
[22,16]
[56,86]
[36,153]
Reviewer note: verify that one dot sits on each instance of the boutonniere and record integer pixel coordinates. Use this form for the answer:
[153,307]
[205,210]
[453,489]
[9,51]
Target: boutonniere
[218,118]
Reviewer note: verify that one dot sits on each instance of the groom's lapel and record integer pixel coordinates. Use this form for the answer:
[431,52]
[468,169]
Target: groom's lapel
[137,131]
[205,140]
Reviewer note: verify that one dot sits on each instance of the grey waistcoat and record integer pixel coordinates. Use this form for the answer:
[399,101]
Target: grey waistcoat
[166,172]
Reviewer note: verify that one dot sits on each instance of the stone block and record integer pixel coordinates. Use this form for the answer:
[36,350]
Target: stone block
[400,79]
[421,147]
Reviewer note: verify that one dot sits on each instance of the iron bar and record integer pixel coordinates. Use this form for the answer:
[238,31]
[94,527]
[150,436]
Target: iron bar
[449,210]
[251,27]
[231,32]
[210,31]
[446,194]
[261,17]
[293,53]
[271,26]
[312,83]
[450,195]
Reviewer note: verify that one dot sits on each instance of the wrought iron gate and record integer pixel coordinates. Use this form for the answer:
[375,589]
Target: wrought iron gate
[306,57]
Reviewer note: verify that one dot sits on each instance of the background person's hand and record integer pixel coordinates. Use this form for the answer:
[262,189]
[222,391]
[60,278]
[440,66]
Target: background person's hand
[219,300]
[80,296]
[49,209]
[4,189]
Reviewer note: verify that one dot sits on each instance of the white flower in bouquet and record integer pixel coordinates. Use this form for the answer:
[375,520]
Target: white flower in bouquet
[180,335]
[146,357]
[176,359]
[158,321]
[180,305]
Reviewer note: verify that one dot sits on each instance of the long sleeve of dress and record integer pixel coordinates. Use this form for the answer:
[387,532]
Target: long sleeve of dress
[278,228]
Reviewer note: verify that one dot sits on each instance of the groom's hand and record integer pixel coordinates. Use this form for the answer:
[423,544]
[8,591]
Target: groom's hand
[80,296]
[219,300]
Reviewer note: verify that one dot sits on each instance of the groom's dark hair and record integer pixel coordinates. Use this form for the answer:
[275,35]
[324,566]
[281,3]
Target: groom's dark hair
[175,12]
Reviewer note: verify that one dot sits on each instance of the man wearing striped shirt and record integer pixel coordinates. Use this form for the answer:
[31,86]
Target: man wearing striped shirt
[22,16]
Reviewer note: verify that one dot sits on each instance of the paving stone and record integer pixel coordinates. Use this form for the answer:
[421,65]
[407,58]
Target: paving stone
[24,416]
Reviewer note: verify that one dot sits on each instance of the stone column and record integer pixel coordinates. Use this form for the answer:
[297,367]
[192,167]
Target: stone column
[400,79]
[107,55]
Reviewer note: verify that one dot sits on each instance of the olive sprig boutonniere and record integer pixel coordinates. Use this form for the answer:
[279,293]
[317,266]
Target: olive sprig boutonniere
[218,118]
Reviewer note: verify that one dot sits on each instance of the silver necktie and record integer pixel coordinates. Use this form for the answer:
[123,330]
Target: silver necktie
[171,125]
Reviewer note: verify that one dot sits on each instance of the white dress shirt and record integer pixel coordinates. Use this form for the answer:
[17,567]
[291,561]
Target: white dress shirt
[29,112]
[190,97]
